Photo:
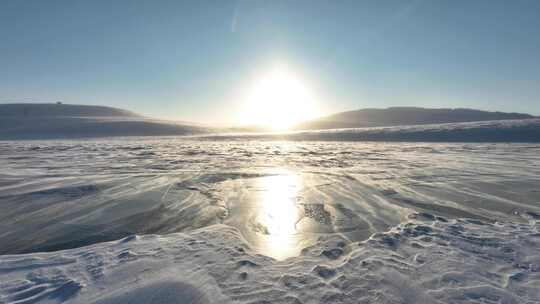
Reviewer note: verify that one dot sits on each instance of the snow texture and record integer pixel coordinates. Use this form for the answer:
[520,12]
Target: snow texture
[172,220]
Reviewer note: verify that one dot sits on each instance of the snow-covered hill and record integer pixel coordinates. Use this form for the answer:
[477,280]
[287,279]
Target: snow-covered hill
[60,121]
[33,110]
[53,121]
[400,116]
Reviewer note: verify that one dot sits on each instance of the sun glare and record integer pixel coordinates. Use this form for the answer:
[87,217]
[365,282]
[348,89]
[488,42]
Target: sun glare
[278,101]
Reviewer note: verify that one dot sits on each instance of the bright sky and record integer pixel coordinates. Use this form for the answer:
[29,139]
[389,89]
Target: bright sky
[206,60]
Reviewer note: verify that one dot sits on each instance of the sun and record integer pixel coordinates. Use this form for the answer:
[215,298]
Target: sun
[278,100]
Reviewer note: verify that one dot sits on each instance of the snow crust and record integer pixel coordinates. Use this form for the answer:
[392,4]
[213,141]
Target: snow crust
[426,259]
[172,220]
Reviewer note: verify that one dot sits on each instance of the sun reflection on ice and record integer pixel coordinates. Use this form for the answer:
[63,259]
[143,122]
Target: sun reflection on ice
[276,216]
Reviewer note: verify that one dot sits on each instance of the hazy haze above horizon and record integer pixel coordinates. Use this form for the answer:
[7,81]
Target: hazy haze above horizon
[206,61]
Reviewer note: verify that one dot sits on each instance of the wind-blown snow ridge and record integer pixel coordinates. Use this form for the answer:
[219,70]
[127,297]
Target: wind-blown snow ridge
[427,259]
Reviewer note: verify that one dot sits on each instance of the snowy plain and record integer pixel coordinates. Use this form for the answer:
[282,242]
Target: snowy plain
[176,220]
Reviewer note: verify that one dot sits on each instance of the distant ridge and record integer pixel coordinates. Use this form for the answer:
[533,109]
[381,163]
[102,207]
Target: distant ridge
[67,121]
[404,116]
[494,131]
[61,110]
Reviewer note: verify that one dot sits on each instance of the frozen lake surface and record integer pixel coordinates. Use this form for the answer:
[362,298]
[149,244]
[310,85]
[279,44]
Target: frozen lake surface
[250,221]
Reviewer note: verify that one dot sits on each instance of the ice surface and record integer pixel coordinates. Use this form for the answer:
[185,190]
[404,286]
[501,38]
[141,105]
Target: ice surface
[275,221]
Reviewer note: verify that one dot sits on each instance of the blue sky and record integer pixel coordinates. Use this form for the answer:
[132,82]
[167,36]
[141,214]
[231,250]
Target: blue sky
[191,60]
